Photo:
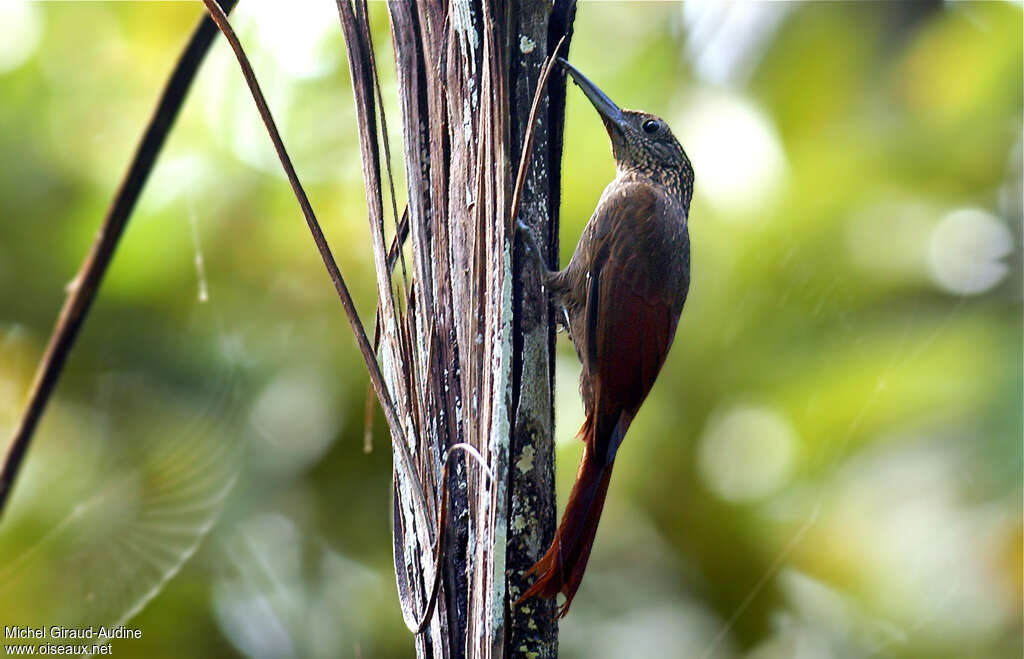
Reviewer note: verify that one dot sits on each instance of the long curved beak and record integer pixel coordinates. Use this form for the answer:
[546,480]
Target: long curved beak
[611,113]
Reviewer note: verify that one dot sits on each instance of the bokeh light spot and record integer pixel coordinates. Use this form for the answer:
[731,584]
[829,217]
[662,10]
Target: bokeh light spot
[297,38]
[22,29]
[736,152]
[746,453]
[966,251]
[294,417]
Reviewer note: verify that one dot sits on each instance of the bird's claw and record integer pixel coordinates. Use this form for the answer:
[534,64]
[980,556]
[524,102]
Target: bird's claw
[524,231]
[531,244]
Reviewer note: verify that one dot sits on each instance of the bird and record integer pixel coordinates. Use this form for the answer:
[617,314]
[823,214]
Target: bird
[620,299]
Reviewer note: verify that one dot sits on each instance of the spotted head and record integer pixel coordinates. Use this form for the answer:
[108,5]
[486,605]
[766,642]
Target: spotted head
[642,143]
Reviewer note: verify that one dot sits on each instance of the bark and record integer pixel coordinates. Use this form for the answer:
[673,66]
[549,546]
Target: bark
[532,627]
[467,337]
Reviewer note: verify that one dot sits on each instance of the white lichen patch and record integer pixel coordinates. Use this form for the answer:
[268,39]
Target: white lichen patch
[519,523]
[526,44]
[462,24]
[525,463]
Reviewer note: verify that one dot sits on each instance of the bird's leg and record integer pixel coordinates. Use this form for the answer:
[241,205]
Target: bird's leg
[523,231]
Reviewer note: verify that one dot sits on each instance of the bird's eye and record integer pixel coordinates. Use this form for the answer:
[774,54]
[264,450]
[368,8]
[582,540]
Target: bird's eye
[651,126]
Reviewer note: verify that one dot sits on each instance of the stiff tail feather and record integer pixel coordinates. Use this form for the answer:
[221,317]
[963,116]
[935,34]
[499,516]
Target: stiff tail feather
[561,569]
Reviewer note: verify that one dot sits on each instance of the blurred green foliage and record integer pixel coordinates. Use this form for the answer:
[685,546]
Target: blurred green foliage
[829,466]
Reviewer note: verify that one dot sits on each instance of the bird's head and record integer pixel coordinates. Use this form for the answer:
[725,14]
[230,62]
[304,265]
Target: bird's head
[642,143]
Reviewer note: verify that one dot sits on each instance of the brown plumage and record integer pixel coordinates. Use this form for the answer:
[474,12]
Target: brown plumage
[620,298]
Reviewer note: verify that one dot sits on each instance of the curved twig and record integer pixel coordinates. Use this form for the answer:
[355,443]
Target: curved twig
[419,626]
[87,282]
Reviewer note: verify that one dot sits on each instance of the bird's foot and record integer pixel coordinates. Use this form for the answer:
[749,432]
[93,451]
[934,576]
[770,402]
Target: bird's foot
[523,231]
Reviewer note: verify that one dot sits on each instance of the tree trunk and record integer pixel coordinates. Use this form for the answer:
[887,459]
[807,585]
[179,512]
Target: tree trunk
[467,347]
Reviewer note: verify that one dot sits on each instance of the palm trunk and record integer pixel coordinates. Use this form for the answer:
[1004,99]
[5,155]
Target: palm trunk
[468,342]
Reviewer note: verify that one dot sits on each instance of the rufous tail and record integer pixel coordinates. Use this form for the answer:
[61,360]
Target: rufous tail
[561,569]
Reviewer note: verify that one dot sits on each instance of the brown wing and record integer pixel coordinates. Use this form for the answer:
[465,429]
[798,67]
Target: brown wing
[638,282]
